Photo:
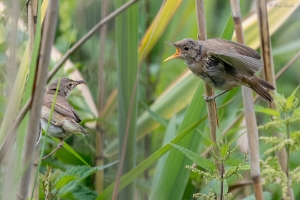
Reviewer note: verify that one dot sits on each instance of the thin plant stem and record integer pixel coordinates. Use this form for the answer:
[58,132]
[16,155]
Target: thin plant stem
[99,143]
[222,179]
[209,91]
[252,133]
[37,98]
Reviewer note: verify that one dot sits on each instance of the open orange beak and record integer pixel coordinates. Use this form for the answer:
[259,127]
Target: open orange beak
[175,55]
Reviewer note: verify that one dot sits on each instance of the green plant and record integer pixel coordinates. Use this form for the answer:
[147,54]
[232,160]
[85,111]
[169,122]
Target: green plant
[286,115]
[59,184]
[221,152]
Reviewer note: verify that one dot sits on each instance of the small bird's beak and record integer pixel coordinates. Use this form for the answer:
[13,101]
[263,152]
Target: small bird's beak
[170,43]
[80,82]
[175,55]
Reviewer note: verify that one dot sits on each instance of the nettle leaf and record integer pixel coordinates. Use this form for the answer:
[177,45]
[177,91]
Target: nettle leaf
[217,187]
[64,180]
[82,192]
[267,111]
[199,160]
[69,179]
[224,150]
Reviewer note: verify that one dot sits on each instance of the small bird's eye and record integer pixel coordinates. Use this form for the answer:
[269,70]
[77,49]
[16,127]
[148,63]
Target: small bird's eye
[70,84]
[186,48]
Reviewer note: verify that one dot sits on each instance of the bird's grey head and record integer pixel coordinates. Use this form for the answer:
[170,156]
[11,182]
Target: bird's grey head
[65,87]
[186,49]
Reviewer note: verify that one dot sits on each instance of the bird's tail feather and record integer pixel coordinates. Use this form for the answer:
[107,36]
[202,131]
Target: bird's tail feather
[257,86]
[266,84]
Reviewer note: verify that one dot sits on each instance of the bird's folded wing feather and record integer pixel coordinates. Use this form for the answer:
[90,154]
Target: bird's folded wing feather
[236,47]
[62,106]
[244,64]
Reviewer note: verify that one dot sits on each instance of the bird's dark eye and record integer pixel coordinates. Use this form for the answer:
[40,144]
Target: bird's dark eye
[186,48]
[70,84]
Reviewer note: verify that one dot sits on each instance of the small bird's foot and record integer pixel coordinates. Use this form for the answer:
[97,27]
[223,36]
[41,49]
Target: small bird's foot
[210,98]
[60,145]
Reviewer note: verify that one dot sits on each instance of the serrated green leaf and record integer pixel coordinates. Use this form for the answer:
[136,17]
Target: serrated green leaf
[267,111]
[199,160]
[64,180]
[80,173]
[82,192]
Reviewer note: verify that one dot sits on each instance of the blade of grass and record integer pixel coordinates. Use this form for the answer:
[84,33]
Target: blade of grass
[127,70]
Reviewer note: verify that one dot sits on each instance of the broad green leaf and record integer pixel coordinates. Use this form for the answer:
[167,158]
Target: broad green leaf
[268,111]
[170,134]
[174,166]
[127,85]
[228,30]
[286,48]
[157,27]
[198,159]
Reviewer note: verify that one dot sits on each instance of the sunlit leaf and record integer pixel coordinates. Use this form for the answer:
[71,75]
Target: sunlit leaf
[198,159]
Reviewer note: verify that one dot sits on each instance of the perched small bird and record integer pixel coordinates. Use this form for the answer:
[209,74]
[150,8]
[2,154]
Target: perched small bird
[223,64]
[64,121]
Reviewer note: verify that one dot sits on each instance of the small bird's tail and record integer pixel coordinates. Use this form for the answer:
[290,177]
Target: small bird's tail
[266,84]
[258,86]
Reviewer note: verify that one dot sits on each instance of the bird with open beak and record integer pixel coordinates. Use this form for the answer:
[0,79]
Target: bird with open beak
[222,64]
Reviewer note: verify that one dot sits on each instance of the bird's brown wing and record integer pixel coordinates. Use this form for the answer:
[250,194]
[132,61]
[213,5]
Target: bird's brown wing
[233,47]
[62,106]
[244,64]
